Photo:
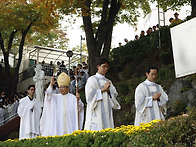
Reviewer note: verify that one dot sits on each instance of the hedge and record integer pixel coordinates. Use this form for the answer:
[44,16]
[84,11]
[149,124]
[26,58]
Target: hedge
[176,131]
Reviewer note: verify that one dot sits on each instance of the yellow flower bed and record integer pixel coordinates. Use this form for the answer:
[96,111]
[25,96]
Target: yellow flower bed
[129,129]
[125,129]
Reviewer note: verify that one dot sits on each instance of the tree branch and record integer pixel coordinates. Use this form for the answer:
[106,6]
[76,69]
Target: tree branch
[11,40]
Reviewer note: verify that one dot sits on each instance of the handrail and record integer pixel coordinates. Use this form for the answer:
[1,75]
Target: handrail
[8,119]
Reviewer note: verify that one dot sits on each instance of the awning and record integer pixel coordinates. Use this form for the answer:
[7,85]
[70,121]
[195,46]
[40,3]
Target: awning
[47,54]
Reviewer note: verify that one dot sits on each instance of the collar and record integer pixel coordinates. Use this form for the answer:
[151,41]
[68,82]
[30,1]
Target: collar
[30,98]
[149,82]
[100,75]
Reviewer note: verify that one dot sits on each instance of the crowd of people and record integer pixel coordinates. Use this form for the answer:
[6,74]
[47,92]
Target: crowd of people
[82,75]
[173,21]
[9,106]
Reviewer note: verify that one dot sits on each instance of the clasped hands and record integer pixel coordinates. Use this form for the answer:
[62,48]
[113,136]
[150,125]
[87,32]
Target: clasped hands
[156,96]
[106,87]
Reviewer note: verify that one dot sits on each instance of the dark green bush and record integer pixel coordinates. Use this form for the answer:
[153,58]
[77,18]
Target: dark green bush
[176,131]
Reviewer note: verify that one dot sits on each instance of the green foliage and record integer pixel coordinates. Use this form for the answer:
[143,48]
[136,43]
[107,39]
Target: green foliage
[178,107]
[133,58]
[176,131]
[166,57]
[123,88]
[166,76]
[172,4]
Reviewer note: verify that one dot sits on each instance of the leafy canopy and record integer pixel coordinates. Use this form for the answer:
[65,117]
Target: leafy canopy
[17,15]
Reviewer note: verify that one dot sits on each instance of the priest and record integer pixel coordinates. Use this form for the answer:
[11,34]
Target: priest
[150,99]
[29,110]
[101,99]
[60,112]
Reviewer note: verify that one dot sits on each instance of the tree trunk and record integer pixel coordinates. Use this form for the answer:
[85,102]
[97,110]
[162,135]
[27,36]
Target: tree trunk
[99,44]
[16,71]
[12,80]
[193,5]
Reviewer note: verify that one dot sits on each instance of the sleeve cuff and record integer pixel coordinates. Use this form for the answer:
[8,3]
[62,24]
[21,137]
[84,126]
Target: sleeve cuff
[99,95]
[149,102]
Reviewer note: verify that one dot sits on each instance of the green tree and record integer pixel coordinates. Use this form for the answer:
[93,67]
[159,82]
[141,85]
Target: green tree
[176,4]
[17,18]
[99,17]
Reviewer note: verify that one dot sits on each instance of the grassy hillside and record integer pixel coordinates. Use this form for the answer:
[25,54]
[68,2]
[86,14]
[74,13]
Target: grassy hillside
[128,65]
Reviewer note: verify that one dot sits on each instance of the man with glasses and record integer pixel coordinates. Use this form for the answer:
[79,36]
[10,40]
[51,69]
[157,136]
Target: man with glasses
[150,99]
[29,110]
[101,99]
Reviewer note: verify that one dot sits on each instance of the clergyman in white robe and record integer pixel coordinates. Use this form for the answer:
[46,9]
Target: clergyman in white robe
[99,113]
[60,114]
[30,113]
[148,109]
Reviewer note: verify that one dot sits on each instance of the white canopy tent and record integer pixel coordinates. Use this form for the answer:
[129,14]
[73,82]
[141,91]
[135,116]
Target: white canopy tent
[47,54]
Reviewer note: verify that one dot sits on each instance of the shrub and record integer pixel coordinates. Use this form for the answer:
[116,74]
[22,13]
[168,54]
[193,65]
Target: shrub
[176,131]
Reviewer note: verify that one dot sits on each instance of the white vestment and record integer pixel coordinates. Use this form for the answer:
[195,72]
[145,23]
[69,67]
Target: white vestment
[99,113]
[30,113]
[148,109]
[60,114]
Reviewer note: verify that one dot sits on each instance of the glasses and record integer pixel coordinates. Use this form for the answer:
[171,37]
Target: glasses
[153,75]
[105,66]
[32,89]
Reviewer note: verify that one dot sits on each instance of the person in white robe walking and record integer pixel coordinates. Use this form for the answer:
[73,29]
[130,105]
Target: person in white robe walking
[101,99]
[29,110]
[60,114]
[150,99]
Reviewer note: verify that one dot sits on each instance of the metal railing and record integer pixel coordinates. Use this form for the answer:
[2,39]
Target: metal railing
[48,69]
[8,119]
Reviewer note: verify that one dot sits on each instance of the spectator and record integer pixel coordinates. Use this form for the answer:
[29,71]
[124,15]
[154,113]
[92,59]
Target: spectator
[63,68]
[176,20]
[16,103]
[51,68]
[142,34]
[154,28]
[10,109]
[79,66]
[85,69]
[3,96]
[171,20]
[136,37]
[72,84]
[5,106]
[120,44]
[149,31]
[2,113]
[126,40]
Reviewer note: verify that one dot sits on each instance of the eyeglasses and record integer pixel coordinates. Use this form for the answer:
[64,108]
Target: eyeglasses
[32,89]
[105,66]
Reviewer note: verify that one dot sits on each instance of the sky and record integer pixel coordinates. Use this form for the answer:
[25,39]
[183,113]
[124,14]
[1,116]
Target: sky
[122,31]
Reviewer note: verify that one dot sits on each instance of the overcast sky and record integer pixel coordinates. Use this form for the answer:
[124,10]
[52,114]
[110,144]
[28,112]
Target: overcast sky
[122,31]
